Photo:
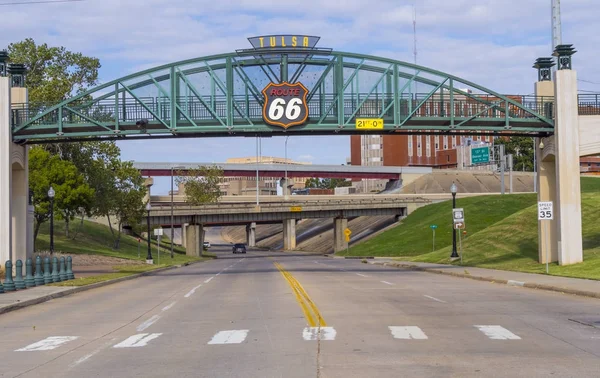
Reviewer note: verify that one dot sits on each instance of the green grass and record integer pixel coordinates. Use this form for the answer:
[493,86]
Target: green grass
[414,236]
[96,239]
[502,234]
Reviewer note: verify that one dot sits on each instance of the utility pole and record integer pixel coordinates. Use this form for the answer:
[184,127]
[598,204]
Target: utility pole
[556,24]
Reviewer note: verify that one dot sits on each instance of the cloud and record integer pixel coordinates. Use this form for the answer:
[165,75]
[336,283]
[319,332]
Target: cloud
[306,157]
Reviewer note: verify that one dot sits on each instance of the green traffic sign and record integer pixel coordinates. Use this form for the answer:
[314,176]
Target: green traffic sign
[480,155]
[433,226]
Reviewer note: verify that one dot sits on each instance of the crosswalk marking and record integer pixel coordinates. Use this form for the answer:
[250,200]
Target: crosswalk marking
[322,333]
[496,332]
[139,340]
[235,336]
[48,343]
[407,333]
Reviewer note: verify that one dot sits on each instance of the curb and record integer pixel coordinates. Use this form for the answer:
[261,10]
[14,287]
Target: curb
[529,285]
[78,289]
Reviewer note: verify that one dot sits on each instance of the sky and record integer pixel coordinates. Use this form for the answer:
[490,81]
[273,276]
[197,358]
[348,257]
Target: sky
[490,42]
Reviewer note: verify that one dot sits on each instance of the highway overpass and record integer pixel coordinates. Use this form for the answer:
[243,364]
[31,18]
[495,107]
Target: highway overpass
[236,211]
[150,169]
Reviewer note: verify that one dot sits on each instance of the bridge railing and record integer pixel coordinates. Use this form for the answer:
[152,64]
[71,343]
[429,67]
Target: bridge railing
[589,104]
[155,109]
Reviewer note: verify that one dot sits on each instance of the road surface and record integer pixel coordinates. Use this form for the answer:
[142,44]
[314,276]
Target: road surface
[269,314]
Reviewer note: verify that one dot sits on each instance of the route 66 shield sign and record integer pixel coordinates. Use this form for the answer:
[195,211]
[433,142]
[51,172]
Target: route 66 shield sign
[285,104]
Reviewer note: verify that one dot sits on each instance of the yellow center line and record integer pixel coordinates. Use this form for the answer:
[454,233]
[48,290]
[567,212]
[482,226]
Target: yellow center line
[303,299]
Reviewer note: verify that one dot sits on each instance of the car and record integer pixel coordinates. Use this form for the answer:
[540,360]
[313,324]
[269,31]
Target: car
[206,245]
[239,248]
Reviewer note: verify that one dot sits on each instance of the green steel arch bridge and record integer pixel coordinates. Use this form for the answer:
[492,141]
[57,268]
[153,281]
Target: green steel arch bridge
[220,95]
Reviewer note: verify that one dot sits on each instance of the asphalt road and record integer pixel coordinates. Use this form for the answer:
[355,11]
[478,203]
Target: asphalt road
[252,316]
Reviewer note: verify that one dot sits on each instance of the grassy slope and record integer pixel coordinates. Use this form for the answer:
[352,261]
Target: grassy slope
[414,237]
[94,238]
[508,243]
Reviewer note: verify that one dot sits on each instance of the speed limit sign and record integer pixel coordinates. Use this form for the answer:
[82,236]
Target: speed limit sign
[545,211]
[285,104]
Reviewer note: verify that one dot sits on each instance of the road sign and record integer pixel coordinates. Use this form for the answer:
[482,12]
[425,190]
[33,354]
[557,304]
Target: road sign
[458,215]
[433,226]
[158,232]
[545,211]
[459,225]
[347,238]
[480,155]
[285,104]
[369,123]
[296,209]
[347,232]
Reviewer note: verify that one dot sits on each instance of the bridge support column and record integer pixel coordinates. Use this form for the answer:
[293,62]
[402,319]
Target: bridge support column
[251,234]
[289,234]
[546,184]
[194,235]
[568,188]
[339,238]
[183,235]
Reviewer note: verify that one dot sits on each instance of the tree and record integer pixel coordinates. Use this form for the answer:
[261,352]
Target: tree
[327,183]
[201,184]
[53,73]
[72,192]
[522,149]
[126,198]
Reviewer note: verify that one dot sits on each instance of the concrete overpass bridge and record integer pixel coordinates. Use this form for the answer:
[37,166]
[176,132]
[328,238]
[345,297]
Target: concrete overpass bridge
[289,88]
[235,211]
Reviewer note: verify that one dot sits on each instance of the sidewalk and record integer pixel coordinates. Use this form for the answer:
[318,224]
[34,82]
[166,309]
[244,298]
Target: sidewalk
[577,286]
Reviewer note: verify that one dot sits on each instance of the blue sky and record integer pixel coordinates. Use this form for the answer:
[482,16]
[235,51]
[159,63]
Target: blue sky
[492,43]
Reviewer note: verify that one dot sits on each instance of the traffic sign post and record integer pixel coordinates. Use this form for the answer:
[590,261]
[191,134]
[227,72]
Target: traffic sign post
[546,213]
[158,233]
[347,233]
[458,215]
[433,227]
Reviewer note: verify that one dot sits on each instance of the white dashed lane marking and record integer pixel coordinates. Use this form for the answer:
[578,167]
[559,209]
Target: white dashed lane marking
[407,333]
[362,275]
[496,332]
[147,323]
[387,283]
[235,336]
[316,333]
[435,299]
[169,306]
[48,343]
[139,340]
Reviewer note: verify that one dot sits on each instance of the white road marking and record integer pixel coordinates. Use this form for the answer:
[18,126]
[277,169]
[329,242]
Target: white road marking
[496,332]
[407,333]
[362,275]
[435,299]
[235,336]
[148,323]
[48,343]
[208,280]
[88,356]
[192,291]
[515,283]
[169,306]
[312,333]
[387,283]
[136,341]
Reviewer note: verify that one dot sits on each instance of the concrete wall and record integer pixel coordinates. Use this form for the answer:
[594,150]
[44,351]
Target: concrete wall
[589,135]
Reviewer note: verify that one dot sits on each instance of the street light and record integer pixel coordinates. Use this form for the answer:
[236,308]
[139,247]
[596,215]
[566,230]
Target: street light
[172,226]
[51,194]
[453,190]
[149,256]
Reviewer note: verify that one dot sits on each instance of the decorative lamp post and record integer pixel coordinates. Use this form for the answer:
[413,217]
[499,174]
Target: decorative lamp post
[563,55]
[51,194]
[149,256]
[453,190]
[3,62]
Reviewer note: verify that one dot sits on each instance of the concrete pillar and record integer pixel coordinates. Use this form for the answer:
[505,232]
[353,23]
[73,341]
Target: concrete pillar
[251,234]
[183,235]
[5,172]
[289,234]
[201,235]
[286,186]
[546,184]
[20,197]
[546,181]
[339,238]
[192,245]
[568,194]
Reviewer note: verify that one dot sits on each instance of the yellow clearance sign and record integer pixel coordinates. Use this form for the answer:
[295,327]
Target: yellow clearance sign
[369,123]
